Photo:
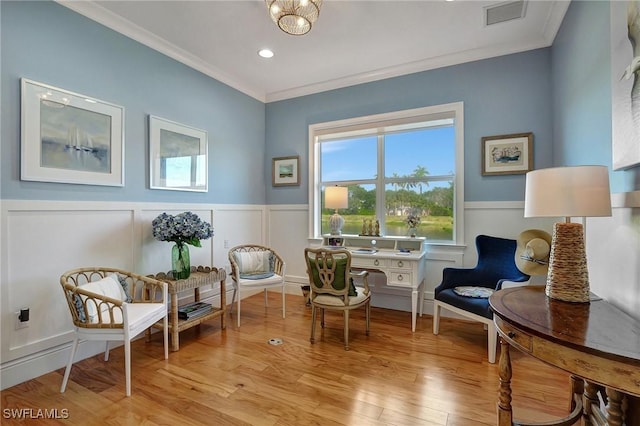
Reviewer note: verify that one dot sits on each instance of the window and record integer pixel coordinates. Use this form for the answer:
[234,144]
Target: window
[395,165]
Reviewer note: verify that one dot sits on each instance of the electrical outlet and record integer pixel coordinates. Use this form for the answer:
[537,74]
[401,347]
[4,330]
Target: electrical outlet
[20,324]
[226,244]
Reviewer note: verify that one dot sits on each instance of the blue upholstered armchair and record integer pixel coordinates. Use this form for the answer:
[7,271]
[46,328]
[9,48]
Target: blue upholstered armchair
[496,264]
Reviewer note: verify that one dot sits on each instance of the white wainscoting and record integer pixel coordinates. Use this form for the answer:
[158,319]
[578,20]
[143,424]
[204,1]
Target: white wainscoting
[42,239]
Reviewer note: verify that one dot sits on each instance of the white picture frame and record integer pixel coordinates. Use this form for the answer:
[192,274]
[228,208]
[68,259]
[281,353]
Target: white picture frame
[178,156]
[67,137]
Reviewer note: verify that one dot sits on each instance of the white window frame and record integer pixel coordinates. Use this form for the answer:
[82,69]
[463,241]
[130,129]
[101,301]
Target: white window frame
[397,118]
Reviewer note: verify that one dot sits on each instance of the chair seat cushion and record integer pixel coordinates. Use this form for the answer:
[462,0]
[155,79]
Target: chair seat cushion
[329,300]
[476,305]
[273,279]
[473,291]
[257,275]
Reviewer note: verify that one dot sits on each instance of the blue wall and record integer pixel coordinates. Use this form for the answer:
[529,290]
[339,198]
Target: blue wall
[561,94]
[51,44]
[509,94]
[581,75]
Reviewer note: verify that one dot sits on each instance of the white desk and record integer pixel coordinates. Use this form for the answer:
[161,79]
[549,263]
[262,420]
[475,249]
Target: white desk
[406,270]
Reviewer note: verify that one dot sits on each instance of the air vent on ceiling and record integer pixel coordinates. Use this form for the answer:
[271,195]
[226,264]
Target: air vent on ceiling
[503,12]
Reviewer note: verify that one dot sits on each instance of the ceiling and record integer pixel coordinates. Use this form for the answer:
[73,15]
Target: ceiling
[352,42]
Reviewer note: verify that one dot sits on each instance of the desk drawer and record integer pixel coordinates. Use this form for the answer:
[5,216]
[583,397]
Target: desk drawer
[399,279]
[514,335]
[375,263]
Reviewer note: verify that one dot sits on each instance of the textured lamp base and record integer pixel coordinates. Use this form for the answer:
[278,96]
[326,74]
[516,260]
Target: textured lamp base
[336,221]
[568,277]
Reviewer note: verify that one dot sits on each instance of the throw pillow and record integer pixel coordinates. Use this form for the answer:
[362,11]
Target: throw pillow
[338,282]
[251,262]
[473,291]
[108,286]
[125,286]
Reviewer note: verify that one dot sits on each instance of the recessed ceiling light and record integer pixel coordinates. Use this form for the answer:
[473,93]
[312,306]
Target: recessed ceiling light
[265,53]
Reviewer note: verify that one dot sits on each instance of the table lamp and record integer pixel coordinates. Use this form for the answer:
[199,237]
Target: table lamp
[336,197]
[576,191]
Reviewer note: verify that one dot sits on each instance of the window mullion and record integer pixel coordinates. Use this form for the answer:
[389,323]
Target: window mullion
[380,186]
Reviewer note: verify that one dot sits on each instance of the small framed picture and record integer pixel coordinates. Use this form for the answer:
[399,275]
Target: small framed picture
[286,171]
[178,156]
[507,154]
[70,138]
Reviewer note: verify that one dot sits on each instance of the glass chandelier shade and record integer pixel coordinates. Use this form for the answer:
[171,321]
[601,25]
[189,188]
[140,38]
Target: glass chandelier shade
[295,17]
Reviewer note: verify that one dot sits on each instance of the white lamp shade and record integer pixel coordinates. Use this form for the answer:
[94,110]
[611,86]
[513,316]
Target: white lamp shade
[576,191]
[336,197]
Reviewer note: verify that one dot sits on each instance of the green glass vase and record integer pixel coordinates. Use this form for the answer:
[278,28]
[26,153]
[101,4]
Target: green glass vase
[180,261]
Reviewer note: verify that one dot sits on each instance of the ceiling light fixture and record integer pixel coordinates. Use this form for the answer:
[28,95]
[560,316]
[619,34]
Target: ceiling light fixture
[295,17]
[265,53]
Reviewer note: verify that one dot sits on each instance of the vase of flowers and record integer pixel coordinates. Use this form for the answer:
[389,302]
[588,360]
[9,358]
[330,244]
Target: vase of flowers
[412,223]
[183,229]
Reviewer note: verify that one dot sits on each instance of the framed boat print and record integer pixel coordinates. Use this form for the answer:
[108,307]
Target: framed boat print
[507,154]
[285,171]
[70,138]
[178,156]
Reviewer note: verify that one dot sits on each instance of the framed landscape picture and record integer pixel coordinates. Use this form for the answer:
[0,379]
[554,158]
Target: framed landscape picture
[286,171]
[507,154]
[178,156]
[70,138]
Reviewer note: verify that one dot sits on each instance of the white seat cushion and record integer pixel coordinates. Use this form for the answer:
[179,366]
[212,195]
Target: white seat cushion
[329,300]
[274,279]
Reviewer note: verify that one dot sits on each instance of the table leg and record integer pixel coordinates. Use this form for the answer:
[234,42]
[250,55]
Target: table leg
[505,413]
[590,400]
[175,343]
[414,308]
[421,297]
[614,407]
[223,304]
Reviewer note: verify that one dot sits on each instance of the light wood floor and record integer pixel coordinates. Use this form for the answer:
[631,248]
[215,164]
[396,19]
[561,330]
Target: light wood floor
[234,377]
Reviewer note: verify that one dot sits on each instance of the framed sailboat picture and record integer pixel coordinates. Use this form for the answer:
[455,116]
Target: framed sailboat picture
[507,154]
[70,138]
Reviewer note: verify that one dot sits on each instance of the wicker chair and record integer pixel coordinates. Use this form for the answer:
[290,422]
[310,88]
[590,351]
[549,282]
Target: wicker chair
[256,267]
[331,282]
[108,307]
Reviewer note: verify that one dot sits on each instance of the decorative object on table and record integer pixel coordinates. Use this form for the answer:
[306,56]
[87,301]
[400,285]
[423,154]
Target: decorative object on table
[193,310]
[575,191]
[294,17]
[182,229]
[532,251]
[285,171]
[336,197]
[178,156]
[507,154]
[70,138]
[413,221]
[370,228]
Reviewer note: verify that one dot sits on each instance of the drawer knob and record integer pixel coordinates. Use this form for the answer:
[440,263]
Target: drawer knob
[376,262]
[400,277]
[511,334]
[400,264]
